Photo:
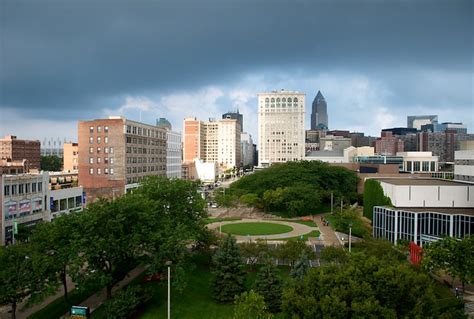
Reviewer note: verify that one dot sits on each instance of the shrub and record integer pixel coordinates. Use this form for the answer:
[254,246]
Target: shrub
[126,301]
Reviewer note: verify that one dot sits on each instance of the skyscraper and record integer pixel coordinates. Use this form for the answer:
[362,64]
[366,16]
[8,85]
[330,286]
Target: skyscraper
[281,133]
[319,114]
[235,116]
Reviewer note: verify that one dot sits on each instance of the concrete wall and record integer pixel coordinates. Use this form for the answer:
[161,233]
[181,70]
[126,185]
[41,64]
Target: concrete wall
[430,195]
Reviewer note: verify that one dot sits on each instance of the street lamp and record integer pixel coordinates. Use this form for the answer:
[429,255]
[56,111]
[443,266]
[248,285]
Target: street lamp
[168,263]
[350,236]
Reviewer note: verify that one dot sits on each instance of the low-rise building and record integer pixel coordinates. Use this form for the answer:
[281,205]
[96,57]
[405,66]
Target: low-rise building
[424,210]
[464,166]
[419,162]
[24,200]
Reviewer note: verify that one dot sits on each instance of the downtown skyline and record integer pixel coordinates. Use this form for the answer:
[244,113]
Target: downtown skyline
[375,62]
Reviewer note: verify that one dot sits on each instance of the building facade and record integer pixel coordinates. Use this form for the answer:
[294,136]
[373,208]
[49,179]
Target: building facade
[388,144]
[424,210]
[235,116]
[419,162]
[416,121]
[319,113]
[281,116]
[115,154]
[25,200]
[214,141]
[14,149]
[247,149]
[464,166]
[70,157]
[174,154]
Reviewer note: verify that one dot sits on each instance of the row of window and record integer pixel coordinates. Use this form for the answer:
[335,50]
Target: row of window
[140,150]
[144,160]
[107,171]
[464,162]
[107,150]
[66,203]
[426,166]
[24,188]
[99,140]
[280,100]
[107,160]
[99,129]
[145,141]
[144,169]
[145,132]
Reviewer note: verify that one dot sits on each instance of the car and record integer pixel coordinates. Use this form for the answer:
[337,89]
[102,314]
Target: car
[214,205]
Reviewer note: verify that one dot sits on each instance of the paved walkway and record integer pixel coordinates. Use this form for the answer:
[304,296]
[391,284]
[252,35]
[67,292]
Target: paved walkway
[328,235]
[298,229]
[93,302]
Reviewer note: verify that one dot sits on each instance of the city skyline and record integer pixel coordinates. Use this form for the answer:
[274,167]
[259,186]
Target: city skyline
[380,63]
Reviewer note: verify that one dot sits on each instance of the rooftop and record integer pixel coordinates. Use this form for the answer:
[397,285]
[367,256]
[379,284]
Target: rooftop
[422,182]
[447,210]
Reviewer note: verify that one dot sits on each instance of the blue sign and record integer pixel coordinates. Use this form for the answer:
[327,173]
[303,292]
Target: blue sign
[51,203]
[79,312]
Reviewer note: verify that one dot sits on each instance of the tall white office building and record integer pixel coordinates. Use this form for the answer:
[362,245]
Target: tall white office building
[281,134]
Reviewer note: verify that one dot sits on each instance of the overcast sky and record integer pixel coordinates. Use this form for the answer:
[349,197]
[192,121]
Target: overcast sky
[374,61]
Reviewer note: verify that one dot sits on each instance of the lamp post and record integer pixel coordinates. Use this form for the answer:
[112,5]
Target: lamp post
[332,202]
[168,263]
[350,236]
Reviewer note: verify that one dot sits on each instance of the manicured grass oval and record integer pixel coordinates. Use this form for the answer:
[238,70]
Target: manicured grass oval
[255,229]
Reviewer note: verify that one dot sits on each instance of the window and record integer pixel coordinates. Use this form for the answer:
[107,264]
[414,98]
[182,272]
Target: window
[91,171]
[98,171]
[98,160]
[27,189]
[106,160]
[91,150]
[21,189]
[99,129]
[295,100]
[106,171]
[106,140]
[98,139]
[91,140]
[111,150]
[91,129]
[33,187]
[98,150]
[111,171]
[91,160]
[111,160]
[106,129]
[40,187]
[14,187]
[6,190]
[106,150]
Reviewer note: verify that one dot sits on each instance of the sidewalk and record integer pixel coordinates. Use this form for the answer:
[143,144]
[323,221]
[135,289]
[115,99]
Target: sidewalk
[327,233]
[93,302]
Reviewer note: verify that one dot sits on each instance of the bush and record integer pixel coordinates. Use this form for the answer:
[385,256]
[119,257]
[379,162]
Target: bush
[126,301]
[374,196]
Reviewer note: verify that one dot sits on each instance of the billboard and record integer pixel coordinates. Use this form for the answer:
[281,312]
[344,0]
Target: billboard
[25,206]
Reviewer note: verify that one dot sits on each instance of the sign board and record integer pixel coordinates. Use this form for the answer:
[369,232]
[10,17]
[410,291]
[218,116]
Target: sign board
[79,312]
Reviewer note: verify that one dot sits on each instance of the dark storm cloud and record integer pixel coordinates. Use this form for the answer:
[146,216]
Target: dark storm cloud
[78,54]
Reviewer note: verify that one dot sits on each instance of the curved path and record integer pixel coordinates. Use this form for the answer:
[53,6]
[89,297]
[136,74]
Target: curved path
[298,229]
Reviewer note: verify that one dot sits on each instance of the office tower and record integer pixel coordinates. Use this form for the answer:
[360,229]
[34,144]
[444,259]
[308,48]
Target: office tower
[247,149]
[14,149]
[174,149]
[235,116]
[319,113]
[115,154]
[281,133]
[416,121]
[212,142]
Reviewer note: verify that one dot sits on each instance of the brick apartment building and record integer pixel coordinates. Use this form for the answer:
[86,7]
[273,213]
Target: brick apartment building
[14,149]
[115,154]
[388,144]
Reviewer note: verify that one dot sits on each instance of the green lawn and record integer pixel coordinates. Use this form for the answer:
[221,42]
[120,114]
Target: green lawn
[314,233]
[255,229]
[309,223]
[195,302]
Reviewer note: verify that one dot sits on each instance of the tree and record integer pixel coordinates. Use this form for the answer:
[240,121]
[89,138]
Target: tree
[23,275]
[374,196]
[291,251]
[228,275]
[250,305]
[301,267]
[57,240]
[268,284]
[252,250]
[111,239]
[51,163]
[334,255]
[456,257]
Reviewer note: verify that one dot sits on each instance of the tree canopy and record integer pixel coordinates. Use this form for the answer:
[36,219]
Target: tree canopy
[51,163]
[298,188]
